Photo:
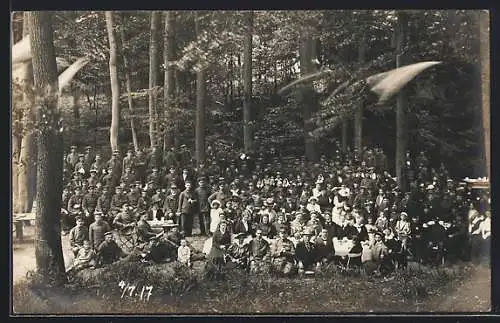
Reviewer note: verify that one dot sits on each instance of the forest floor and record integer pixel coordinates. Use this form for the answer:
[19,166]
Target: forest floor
[465,287]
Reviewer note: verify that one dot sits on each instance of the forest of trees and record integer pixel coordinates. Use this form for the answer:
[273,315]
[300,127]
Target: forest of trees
[209,78]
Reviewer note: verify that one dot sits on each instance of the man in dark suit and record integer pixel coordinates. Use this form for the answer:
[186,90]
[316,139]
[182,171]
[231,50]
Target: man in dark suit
[185,177]
[323,247]
[202,193]
[243,225]
[186,209]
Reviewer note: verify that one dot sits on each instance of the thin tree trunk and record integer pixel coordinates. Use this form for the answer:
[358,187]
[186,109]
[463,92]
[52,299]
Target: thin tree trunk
[128,83]
[345,135]
[307,99]
[402,104]
[153,79]
[358,117]
[247,84]
[115,86]
[200,107]
[168,88]
[27,157]
[484,47]
[48,246]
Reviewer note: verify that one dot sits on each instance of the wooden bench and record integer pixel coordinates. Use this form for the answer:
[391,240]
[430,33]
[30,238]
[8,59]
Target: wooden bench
[18,220]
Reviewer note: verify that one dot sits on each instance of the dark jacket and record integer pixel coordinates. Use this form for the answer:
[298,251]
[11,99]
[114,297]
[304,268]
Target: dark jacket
[185,206]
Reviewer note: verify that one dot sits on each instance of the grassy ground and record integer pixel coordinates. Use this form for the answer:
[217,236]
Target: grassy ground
[457,287]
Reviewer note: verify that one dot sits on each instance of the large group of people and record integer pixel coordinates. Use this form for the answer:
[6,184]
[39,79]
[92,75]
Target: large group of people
[269,212]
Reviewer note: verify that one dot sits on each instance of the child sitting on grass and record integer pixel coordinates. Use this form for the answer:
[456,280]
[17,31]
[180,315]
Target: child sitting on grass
[184,253]
[85,258]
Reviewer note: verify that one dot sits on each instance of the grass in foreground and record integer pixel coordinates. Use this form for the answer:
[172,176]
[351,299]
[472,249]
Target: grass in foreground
[330,291]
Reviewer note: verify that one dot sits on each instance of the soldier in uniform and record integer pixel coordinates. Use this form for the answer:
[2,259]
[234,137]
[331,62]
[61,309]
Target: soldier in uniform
[115,166]
[118,200]
[89,203]
[259,252]
[75,206]
[154,177]
[104,203]
[128,177]
[72,159]
[129,160]
[135,194]
[140,165]
[88,159]
[80,165]
[93,180]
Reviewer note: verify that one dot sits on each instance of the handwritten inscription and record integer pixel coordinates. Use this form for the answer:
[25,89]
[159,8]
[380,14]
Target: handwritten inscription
[131,290]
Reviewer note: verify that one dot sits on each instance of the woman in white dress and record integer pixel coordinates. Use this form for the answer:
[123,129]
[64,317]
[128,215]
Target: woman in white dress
[215,213]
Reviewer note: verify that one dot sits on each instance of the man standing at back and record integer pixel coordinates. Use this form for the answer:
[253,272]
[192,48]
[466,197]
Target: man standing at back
[186,209]
[202,193]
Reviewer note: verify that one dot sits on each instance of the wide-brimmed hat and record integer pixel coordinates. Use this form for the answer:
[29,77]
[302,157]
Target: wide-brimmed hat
[269,201]
[313,198]
[240,235]
[109,233]
[215,202]
[344,192]
[308,231]
[170,223]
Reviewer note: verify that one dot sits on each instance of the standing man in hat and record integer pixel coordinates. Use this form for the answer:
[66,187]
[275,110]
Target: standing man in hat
[104,202]
[186,209]
[129,160]
[97,230]
[88,159]
[171,204]
[72,158]
[202,193]
[89,204]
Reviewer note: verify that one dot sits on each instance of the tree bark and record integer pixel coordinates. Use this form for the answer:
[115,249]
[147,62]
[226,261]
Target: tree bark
[168,88]
[344,135]
[128,83]
[153,79]
[484,47]
[48,247]
[402,104]
[27,155]
[247,84]
[307,99]
[115,85]
[358,117]
[200,107]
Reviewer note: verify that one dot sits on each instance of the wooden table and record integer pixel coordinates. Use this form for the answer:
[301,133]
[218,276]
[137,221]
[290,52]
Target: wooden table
[18,220]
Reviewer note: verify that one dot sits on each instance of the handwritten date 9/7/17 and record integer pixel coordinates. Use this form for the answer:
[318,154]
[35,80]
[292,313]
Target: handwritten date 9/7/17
[130,290]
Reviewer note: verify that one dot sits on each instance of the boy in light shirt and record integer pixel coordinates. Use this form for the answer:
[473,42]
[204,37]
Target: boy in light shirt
[184,253]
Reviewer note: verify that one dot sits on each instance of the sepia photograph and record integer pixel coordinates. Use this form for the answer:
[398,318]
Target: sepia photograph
[209,162]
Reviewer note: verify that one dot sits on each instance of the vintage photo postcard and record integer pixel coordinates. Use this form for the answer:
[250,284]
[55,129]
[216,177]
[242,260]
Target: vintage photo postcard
[246,162]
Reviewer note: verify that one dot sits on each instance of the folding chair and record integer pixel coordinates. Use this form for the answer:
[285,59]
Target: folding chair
[127,238]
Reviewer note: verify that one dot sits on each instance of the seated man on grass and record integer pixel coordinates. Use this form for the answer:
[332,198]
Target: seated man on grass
[108,251]
[77,235]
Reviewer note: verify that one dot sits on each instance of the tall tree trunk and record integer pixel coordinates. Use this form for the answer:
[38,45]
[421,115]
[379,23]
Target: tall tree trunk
[358,117]
[230,81]
[16,35]
[402,103]
[200,106]
[27,155]
[484,47]
[168,88]
[48,247]
[115,86]
[128,82]
[344,135]
[307,97]
[247,84]
[153,79]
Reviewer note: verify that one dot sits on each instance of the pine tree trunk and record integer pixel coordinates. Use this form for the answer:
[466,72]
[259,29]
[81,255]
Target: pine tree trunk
[48,247]
[358,117]
[247,84]
[128,83]
[200,108]
[307,99]
[402,104]
[115,86]
[484,47]
[27,157]
[345,135]
[153,79]
[168,88]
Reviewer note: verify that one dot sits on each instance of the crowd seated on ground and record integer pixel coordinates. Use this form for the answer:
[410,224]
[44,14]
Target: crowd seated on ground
[266,212]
